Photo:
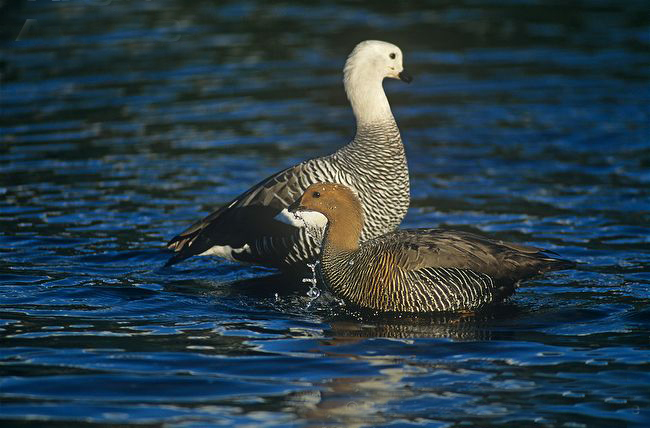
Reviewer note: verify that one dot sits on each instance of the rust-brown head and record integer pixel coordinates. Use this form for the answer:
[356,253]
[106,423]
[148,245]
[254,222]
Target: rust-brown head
[342,208]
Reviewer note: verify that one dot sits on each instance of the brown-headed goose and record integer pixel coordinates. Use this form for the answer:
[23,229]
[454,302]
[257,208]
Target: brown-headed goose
[416,270]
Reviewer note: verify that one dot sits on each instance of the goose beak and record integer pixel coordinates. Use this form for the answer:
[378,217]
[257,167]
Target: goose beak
[295,207]
[405,77]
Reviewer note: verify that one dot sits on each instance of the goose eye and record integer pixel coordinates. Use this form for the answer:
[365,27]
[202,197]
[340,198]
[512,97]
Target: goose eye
[392,55]
[316,194]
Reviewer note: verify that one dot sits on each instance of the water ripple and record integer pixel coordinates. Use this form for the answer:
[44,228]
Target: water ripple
[123,122]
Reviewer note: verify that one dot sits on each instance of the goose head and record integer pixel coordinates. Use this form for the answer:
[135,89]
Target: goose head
[376,59]
[365,69]
[340,206]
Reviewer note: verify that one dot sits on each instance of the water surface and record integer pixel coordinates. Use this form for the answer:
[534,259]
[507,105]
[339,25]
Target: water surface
[123,122]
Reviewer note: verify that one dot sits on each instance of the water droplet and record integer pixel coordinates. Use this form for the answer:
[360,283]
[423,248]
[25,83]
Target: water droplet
[313,292]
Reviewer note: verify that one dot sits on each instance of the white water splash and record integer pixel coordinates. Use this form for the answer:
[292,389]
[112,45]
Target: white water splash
[314,292]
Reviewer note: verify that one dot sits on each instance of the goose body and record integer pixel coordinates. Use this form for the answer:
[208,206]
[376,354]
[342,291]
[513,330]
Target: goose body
[414,270]
[256,228]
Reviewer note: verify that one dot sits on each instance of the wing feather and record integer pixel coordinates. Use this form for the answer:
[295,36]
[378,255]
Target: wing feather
[247,218]
[417,249]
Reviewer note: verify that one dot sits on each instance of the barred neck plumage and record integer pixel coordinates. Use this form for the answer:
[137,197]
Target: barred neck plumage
[336,269]
[339,250]
[378,141]
[377,159]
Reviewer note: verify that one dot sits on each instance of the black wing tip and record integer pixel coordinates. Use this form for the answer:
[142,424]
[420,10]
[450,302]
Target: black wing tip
[173,243]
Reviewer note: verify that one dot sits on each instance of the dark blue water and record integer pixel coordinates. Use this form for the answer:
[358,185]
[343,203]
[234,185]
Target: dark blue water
[123,122]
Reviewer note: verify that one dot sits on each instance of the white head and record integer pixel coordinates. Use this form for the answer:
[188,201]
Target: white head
[369,63]
[375,59]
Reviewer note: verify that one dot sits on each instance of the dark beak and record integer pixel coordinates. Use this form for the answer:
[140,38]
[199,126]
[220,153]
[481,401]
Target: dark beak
[295,207]
[405,77]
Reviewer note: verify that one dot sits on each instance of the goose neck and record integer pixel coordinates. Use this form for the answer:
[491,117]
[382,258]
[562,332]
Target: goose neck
[368,99]
[342,236]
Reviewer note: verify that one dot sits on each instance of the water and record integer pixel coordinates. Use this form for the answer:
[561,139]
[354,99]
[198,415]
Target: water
[123,122]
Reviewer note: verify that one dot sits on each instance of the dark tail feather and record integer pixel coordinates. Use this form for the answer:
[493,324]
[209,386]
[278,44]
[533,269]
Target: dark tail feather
[181,245]
[550,263]
[179,241]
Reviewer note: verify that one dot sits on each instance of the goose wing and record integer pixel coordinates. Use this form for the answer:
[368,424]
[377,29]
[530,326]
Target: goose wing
[245,229]
[444,249]
[440,270]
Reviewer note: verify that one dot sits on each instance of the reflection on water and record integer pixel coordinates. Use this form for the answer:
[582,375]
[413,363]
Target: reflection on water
[123,121]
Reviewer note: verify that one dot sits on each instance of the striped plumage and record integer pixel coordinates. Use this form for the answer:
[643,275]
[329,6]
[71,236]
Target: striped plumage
[418,270]
[255,227]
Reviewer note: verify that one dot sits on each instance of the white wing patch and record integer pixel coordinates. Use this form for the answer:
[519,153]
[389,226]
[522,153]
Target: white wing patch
[302,219]
[226,251]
